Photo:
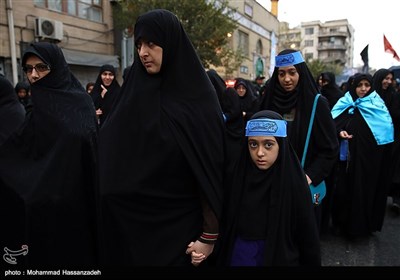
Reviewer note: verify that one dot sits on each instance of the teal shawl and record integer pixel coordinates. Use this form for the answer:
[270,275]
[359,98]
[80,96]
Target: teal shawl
[374,111]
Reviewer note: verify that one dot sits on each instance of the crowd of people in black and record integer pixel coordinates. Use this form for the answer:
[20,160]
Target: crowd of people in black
[158,172]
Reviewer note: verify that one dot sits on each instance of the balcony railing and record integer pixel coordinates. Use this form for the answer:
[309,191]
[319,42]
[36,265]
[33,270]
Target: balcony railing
[328,46]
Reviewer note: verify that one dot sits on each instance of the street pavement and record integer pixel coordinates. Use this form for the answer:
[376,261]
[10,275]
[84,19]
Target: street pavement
[382,249]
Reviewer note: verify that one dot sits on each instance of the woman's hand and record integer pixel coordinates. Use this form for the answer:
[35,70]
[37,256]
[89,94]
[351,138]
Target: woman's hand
[103,92]
[344,135]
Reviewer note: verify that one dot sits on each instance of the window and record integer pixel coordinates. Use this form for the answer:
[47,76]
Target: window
[243,43]
[54,5]
[87,9]
[248,10]
[309,31]
[259,48]
[309,56]
[244,69]
[309,43]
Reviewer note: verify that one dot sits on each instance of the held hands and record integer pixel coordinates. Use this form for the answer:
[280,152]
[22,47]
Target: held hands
[99,112]
[199,251]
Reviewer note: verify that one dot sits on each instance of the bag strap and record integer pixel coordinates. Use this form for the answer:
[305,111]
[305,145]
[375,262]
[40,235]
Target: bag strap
[303,159]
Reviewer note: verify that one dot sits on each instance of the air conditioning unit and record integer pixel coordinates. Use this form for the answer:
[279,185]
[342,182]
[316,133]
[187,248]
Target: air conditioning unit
[49,29]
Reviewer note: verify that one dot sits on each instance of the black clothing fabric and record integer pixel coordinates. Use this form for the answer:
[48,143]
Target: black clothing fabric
[47,172]
[331,90]
[234,123]
[105,103]
[161,150]
[271,205]
[12,113]
[359,202]
[126,72]
[323,147]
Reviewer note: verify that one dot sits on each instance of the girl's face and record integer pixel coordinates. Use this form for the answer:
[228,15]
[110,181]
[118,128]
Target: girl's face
[263,150]
[288,77]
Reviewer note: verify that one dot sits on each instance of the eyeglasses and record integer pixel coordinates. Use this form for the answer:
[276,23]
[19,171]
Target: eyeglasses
[41,67]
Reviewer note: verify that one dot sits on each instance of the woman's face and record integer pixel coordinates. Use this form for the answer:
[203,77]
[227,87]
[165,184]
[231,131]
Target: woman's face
[288,77]
[89,89]
[263,150]
[363,88]
[107,77]
[22,93]
[35,68]
[241,90]
[387,81]
[150,55]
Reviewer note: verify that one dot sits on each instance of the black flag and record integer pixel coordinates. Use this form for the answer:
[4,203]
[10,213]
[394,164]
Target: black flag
[364,57]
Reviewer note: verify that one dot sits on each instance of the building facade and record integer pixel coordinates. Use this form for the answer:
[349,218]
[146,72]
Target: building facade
[330,41]
[82,28]
[255,36]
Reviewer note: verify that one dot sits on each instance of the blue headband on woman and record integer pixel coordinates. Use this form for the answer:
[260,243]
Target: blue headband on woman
[266,127]
[288,59]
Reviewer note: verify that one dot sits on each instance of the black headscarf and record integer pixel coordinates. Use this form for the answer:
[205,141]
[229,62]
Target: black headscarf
[390,96]
[161,146]
[272,206]
[323,147]
[377,79]
[331,90]
[105,103]
[12,113]
[47,171]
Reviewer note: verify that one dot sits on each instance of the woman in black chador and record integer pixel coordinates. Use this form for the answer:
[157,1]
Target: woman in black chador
[362,119]
[162,153]
[382,83]
[23,91]
[105,91]
[329,89]
[47,169]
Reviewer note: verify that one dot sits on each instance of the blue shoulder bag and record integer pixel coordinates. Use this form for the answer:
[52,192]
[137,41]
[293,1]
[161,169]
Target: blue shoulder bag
[317,191]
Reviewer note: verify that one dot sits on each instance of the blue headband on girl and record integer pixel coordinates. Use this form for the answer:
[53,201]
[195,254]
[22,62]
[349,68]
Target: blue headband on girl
[266,127]
[288,59]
